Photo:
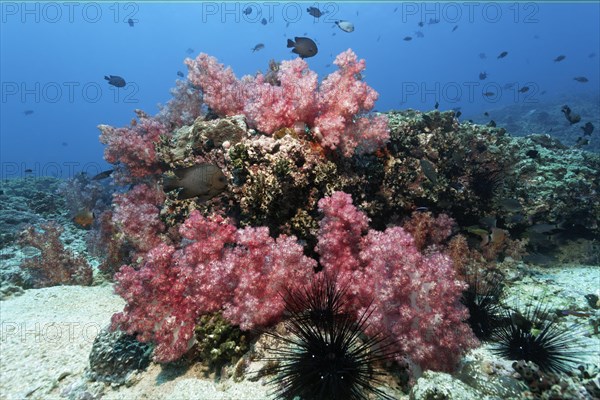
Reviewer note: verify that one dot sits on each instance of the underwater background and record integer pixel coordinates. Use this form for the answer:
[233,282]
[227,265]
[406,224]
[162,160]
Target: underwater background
[200,199]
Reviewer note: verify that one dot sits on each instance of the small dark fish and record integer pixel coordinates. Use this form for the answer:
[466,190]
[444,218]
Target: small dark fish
[429,170]
[346,26]
[180,74]
[303,46]
[130,22]
[436,105]
[482,75]
[420,24]
[378,38]
[455,28]
[560,58]
[581,141]
[102,175]
[544,228]
[28,171]
[570,116]
[509,85]
[204,181]
[492,124]
[488,221]
[524,89]
[247,11]
[489,94]
[395,9]
[189,50]
[587,129]
[422,209]
[64,144]
[532,153]
[315,12]
[581,79]
[503,54]
[258,47]
[487,114]
[407,38]
[482,56]
[512,205]
[458,114]
[28,112]
[433,21]
[115,80]
[263,21]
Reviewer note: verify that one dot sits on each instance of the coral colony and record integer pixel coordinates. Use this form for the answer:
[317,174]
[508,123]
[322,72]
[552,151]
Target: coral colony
[315,184]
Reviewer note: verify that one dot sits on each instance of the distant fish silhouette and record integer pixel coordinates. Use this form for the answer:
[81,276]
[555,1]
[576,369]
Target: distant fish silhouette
[560,58]
[130,22]
[581,79]
[115,80]
[28,112]
[503,54]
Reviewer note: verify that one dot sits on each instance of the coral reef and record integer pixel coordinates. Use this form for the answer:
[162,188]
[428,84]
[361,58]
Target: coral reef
[55,265]
[115,355]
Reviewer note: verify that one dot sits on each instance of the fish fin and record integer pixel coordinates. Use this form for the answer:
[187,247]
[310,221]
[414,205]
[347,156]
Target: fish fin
[170,183]
[290,43]
[107,78]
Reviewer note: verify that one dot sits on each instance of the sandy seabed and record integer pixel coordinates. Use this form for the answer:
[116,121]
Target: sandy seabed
[45,339]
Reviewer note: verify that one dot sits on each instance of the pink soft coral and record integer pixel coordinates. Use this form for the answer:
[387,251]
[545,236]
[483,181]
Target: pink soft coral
[134,146]
[239,272]
[415,298]
[335,109]
[343,96]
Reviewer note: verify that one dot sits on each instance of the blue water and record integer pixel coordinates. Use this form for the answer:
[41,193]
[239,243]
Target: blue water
[54,57]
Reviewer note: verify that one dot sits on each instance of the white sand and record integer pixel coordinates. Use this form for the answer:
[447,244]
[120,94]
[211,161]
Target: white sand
[45,339]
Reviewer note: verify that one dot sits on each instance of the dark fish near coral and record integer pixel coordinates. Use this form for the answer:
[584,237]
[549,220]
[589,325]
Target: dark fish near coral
[487,114]
[572,118]
[581,141]
[102,175]
[503,54]
[482,75]
[303,46]
[532,153]
[491,124]
[436,105]
[115,80]
[587,129]
[429,170]
[524,89]
[83,219]
[458,114]
[560,58]
[28,112]
[130,22]
[512,205]
[204,181]
[315,12]
[346,26]
[407,38]
[180,74]
[28,171]
[258,47]
[581,79]
[544,228]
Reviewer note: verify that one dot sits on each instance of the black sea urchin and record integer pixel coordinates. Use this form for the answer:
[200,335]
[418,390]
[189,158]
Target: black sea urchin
[482,300]
[537,338]
[326,355]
